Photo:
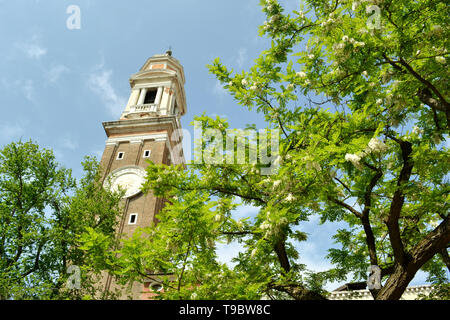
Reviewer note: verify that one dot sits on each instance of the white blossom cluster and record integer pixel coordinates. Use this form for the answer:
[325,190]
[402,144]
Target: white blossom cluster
[313,165]
[377,146]
[302,75]
[436,29]
[417,130]
[354,159]
[374,146]
[273,227]
[270,6]
[440,59]
[347,39]
[289,198]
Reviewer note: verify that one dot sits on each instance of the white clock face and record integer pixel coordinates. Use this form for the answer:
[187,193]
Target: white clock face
[129,179]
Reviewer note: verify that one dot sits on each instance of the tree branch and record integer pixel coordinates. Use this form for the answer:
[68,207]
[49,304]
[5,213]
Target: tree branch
[370,239]
[296,291]
[346,206]
[398,200]
[445,257]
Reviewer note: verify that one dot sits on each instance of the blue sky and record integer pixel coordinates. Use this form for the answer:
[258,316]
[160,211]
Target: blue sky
[58,85]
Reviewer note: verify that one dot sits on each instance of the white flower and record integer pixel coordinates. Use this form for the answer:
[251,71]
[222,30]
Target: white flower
[316,166]
[230,83]
[217,217]
[277,161]
[362,30]
[269,8]
[364,73]
[345,38]
[290,198]
[276,183]
[290,86]
[265,225]
[244,82]
[274,18]
[310,56]
[440,59]
[379,101]
[417,130]
[355,5]
[253,87]
[377,146]
[354,159]
[301,74]
[194,295]
[436,29]
[338,46]
[252,255]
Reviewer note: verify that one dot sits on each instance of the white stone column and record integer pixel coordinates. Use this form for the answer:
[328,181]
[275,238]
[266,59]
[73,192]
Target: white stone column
[133,99]
[142,96]
[164,101]
[158,96]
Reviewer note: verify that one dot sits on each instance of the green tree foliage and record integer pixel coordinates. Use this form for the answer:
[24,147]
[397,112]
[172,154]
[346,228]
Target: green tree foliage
[359,90]
[43,213]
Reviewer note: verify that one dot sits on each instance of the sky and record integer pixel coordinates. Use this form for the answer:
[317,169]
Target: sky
[57,85]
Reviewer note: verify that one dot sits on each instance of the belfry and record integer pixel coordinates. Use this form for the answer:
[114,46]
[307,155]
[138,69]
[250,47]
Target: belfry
[149,128]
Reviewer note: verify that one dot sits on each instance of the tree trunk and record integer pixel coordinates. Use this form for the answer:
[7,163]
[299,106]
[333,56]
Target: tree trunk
[403,273]
[397,283]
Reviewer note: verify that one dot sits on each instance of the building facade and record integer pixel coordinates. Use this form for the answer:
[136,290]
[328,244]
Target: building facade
[149,128]
[411,293]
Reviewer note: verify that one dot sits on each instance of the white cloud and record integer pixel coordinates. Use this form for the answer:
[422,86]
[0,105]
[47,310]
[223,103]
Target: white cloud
[100,83]
[226,252]
[55,72]
[242,56]
[245,211]
[23,87]
[68,143]
[28,89]
[10,132]
[33,49]
[218,89]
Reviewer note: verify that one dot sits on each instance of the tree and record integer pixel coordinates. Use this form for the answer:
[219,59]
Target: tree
[43,211]
[359,90]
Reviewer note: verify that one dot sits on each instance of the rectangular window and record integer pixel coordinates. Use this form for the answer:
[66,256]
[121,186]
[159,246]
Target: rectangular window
[120,155]
[147,153]
[150,96]
[133,218]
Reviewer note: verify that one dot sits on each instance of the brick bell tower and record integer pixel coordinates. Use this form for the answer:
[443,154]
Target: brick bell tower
[148,129]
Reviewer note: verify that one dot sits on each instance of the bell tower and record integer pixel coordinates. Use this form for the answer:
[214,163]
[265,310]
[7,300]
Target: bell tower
[148,129]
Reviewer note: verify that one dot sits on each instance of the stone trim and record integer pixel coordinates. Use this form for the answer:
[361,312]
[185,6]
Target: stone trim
[410,293]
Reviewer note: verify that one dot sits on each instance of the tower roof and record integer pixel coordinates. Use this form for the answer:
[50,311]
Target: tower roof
[163,68]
